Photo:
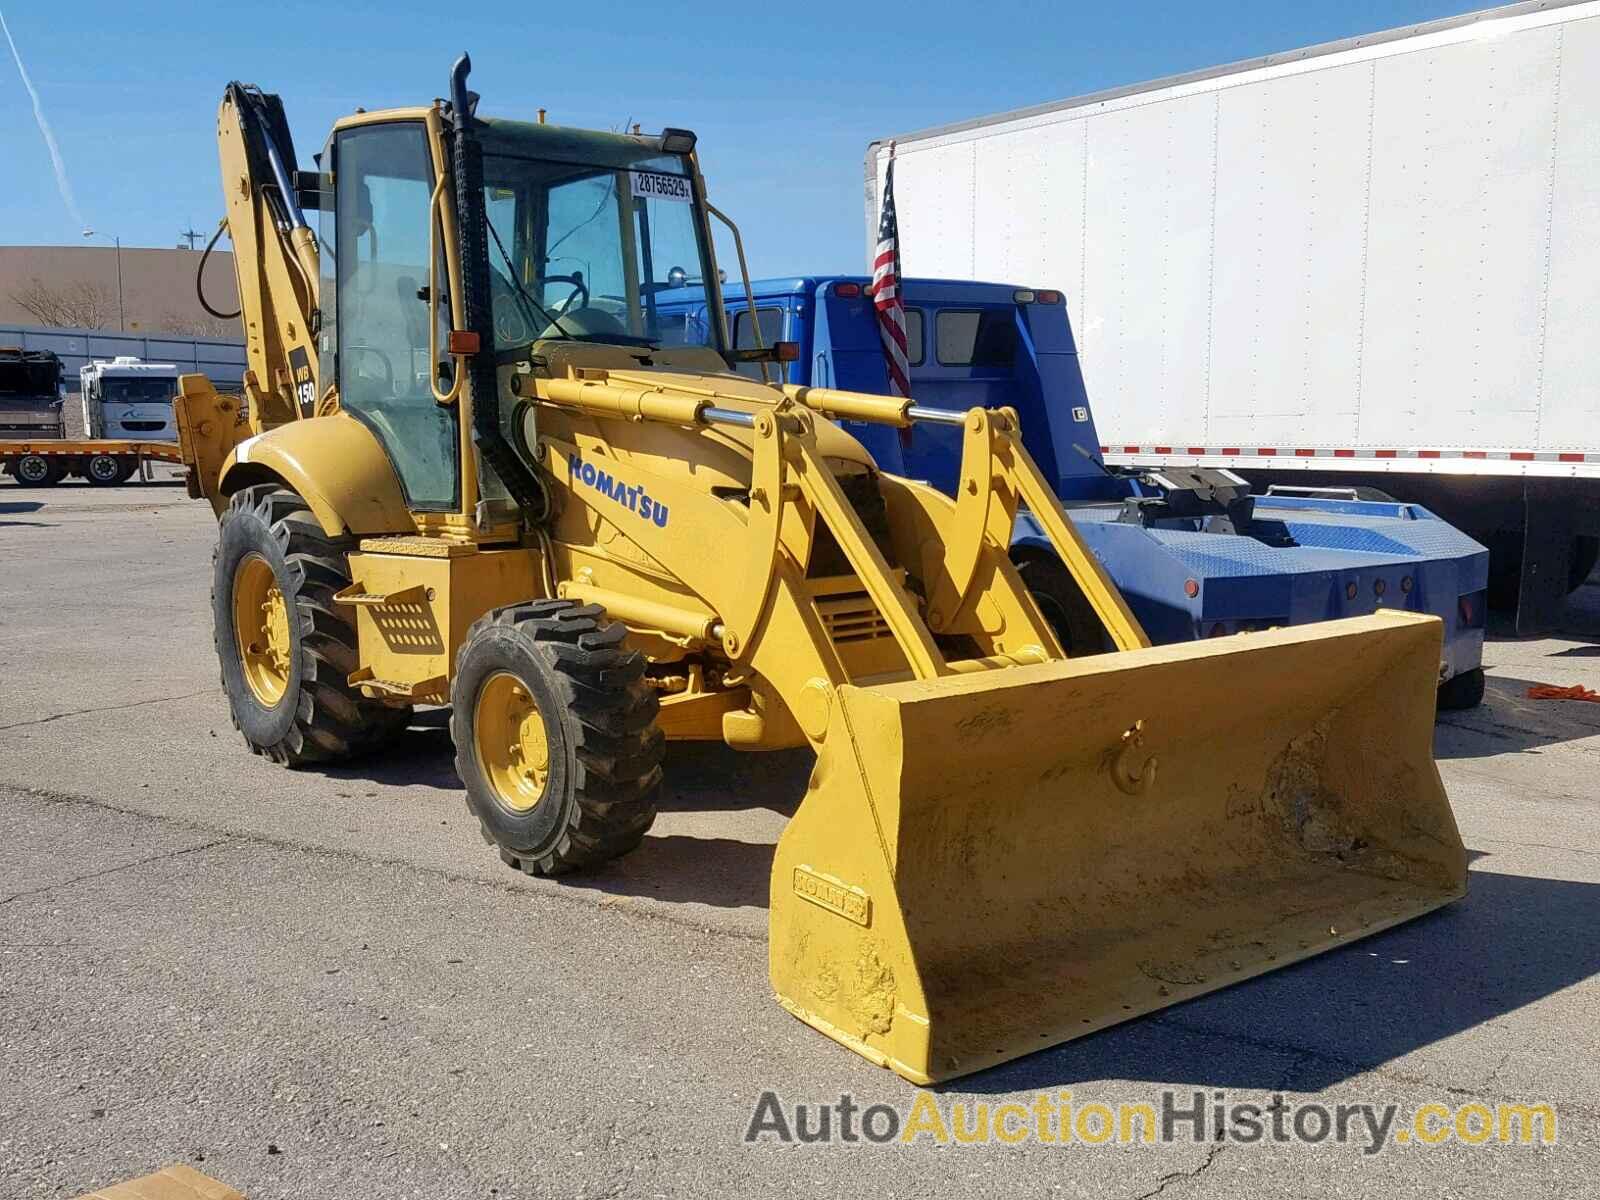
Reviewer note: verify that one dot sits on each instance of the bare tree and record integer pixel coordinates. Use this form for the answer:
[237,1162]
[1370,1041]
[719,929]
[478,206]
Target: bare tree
[80,305]
[195,326]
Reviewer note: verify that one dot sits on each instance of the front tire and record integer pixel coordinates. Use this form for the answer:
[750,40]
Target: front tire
[555,736]
[285,648]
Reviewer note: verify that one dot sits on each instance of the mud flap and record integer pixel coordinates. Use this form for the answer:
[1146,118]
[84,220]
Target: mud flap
[990,864]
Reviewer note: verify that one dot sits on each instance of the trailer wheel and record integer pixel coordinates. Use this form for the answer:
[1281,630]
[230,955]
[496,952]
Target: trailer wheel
[37,470]
[555,735]
[108,470]
[1462,691]
[1505,565]
[1063,604]
[284,647]
[1585,554]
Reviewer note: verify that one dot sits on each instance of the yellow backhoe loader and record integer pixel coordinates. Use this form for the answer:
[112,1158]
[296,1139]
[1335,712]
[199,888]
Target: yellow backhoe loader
[478,469]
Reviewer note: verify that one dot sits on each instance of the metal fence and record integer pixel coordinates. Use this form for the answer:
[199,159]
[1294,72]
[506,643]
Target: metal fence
[220,358]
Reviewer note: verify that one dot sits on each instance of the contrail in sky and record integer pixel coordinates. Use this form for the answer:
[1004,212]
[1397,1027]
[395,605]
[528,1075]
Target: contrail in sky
[62,182]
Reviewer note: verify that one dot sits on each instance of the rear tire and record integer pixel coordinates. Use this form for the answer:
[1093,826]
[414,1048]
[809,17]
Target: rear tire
[107,470]
[289,698]
[555,735]
[1462,691]
[1064,605]
[37,470]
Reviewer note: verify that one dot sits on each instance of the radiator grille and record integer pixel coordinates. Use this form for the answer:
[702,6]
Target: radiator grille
[852,617]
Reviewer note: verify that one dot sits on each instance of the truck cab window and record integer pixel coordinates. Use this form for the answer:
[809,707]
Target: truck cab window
[914,322]
[769,321]
[976,338]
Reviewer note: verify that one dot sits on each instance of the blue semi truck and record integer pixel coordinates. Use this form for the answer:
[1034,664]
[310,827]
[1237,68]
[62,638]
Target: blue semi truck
[1193,551]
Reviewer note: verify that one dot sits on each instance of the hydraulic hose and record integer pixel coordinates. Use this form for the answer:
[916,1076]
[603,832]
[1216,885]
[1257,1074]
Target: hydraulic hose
[200,276]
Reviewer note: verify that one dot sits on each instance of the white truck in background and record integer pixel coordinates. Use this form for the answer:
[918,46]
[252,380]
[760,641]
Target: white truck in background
[34,447]
[1368,266]
[129,398]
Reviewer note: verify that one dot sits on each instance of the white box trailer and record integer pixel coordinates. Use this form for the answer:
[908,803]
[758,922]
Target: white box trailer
[1372,264]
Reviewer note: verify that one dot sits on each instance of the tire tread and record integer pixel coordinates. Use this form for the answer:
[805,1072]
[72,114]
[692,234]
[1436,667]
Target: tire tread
[333,721]
[618,748]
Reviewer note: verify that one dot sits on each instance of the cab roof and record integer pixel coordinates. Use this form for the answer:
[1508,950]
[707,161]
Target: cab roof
[564,143]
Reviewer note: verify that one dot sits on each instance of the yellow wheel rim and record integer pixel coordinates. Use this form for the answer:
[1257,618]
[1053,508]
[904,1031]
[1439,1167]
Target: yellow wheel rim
[261,629]
[511,743]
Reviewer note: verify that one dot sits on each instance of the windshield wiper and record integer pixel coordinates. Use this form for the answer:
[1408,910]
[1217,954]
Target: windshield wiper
[522,292]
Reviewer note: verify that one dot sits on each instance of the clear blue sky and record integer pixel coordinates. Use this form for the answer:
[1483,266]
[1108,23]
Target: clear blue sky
[784,97]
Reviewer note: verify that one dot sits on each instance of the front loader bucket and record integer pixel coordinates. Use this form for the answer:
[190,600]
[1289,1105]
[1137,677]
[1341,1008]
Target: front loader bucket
[988,864]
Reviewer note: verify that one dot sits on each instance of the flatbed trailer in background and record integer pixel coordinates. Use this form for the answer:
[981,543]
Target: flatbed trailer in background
[1365,267]
[105,462]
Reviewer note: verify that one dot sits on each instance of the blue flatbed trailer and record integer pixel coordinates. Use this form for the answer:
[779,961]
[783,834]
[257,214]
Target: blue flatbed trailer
[1195,554]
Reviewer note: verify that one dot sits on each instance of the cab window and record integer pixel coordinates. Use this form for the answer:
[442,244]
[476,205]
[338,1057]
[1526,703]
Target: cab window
[582,251]
[384,369]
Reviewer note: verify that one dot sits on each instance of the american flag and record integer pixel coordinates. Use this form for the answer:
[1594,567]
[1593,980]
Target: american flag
[886,290]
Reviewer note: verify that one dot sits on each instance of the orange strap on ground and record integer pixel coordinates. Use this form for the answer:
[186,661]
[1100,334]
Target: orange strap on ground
[1549,691]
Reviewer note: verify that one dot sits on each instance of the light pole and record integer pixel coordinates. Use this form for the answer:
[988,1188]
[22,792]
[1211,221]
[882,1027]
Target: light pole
[122,316]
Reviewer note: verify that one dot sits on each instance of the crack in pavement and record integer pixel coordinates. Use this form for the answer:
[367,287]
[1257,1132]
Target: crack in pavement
[78,712]
[1494,1075]
[1175,1176]
[64,883]
[1526,793]
[1508,733]
[1538,846]
[1305,1055]
[619,902]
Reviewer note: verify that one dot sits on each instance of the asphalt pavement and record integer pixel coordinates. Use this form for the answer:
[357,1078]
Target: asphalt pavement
[322,983]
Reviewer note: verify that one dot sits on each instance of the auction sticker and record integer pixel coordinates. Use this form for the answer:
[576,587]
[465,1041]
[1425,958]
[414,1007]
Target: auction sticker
[658,186]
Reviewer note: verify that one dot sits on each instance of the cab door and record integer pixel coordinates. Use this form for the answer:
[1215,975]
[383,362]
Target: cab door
[383,364]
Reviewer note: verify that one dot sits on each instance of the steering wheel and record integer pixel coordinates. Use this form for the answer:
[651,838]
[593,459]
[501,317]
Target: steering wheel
[511,327]
[579,288]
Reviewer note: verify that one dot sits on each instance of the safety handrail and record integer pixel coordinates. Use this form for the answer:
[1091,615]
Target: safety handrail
[744,274]
[434,217]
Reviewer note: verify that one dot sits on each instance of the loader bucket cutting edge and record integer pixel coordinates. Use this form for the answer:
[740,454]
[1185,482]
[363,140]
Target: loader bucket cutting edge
[990,864]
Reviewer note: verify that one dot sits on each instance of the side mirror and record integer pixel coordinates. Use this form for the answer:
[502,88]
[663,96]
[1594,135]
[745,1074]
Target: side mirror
[778,352]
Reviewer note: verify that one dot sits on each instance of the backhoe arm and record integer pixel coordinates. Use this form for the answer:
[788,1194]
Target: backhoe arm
[274,255]
[275,262]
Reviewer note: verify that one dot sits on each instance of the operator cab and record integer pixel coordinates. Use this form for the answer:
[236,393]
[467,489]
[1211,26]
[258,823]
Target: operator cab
[585,232]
